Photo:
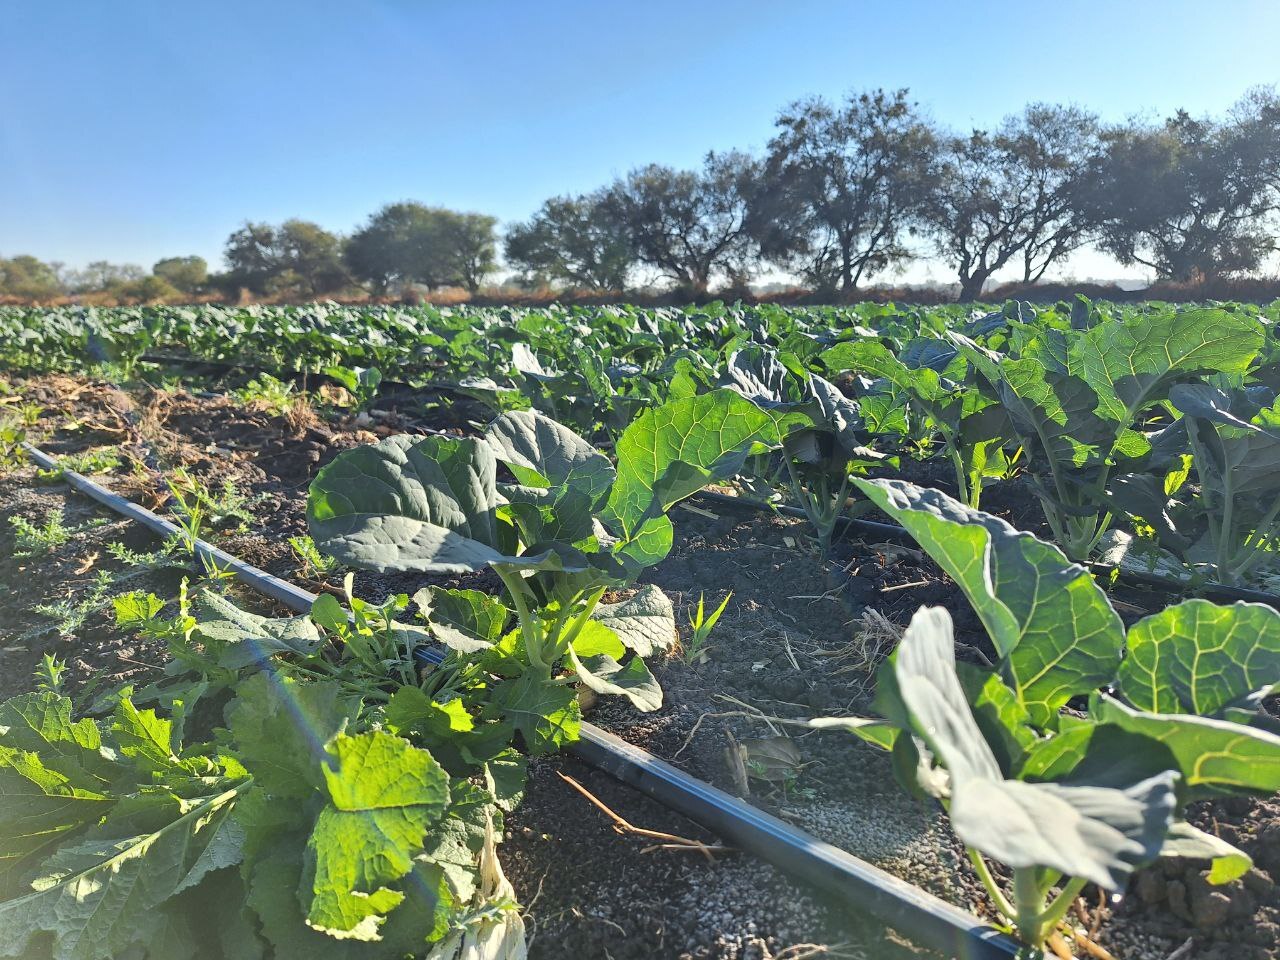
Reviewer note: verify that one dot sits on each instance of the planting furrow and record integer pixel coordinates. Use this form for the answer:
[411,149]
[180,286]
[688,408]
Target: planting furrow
[894,532]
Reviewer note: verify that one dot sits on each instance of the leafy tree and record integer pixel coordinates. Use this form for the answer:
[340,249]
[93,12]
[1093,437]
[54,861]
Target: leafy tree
[843,185]
[690,225]
[25,276]
[1190,198]
[297,255]
[252,257]
[472,247]
[148,289]
[185,274]
[409,242]
[573,240]
[313,254]
[1012,195]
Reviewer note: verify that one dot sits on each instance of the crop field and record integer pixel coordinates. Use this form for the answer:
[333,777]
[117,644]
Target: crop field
[986,599]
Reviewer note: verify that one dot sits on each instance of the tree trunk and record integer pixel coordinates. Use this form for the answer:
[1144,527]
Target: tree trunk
[971,288]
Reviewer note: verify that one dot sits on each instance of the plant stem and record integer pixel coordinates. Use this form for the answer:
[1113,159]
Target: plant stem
[1226,539]
[989,881]
[1028,901]
[579,621]
[967,496]
[1257,538]
[1056,910]
[512,580]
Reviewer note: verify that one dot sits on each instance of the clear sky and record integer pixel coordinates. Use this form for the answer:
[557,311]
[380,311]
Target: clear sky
[132,130]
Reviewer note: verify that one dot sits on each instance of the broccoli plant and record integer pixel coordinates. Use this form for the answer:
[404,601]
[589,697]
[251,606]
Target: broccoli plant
[944,399]
[305,829]
[1167,712]
[823,438]
[1079,399]
[567,529]
[1234,436]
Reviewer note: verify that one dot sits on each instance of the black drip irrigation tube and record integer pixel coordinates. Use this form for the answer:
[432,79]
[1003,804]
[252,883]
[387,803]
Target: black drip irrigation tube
[924,918]
[898,534]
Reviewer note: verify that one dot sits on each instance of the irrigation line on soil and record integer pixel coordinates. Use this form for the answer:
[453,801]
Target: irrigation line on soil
[919,915]
[896,533]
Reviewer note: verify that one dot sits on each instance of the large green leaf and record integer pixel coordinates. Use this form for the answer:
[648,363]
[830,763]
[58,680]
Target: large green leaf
[672,451]
[250,638]
[603,674]
[54,777]
[464,620]
[546,714]
[113,900]
[408,503]
[383,796]
[143,737]
[1199,657]
[1053,410]
[1001,717]
[1133,362]
[1096,754]
[41,723]
[1100,833]
[423,504]
[925,668]
[275,883]
[1055,630]
[543,453]
[1214,756]
[839,414]
[280,727]
[873,357]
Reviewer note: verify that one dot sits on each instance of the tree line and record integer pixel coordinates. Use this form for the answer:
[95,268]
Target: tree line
[844,192]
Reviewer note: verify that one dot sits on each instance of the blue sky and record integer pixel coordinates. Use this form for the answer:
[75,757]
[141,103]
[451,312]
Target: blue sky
[133,130]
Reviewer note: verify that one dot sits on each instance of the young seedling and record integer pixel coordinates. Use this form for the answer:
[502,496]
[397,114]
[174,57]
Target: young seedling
[223,507]
[270,394]
[12,452]
[29,414]
[370,634]
[31,540]
[700,626]
[101,460]
[48,675]
[313,563]
[69,614]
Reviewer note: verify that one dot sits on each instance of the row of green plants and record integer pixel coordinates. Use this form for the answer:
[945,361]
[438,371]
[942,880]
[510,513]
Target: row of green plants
[1146,432]
[314,786]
